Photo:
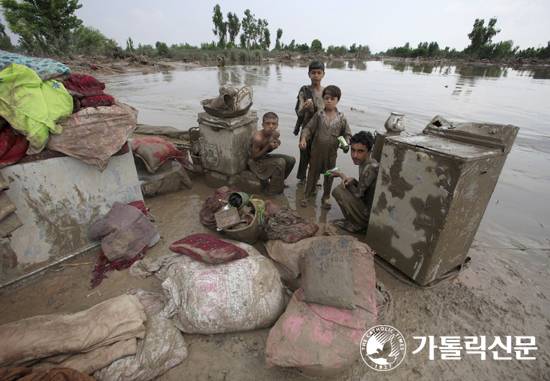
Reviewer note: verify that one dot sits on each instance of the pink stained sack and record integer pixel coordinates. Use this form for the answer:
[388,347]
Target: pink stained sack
[154,152]
[93,135]
[207,248]
[321,340]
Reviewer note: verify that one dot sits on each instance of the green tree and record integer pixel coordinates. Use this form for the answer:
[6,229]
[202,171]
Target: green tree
[481,35]
[5,40]
[162,48]
[261,25]
[303,48]
[317,46]
[292,46]
[220,26]
[249,25]
[89,40]
[267,39]
[278,40]
[129,45]
[43,25]
[243,41]
[233,26]
[353,48]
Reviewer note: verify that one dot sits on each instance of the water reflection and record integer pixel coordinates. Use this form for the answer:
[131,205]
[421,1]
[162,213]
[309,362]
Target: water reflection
[471,71]
[167,76]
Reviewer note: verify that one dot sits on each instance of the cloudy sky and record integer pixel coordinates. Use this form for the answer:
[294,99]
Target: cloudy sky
[379,24]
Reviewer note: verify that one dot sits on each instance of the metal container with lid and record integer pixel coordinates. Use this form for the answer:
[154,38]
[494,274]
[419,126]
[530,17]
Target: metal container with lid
[431,193]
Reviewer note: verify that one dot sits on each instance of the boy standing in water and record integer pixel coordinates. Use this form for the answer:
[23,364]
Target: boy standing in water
[310,100]
[323,131]
[275,167]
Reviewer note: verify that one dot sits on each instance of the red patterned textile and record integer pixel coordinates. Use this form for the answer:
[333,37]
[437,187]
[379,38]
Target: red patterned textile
[207,248]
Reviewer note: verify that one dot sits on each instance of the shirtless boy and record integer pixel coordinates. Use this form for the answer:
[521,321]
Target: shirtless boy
[263,163]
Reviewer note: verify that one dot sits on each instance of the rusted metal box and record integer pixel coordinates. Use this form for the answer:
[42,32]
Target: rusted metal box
[224,142]
[431,193]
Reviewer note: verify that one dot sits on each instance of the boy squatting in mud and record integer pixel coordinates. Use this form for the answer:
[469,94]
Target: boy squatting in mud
[266,165]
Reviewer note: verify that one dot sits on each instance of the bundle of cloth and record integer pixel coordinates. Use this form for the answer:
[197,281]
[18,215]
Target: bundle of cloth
[87,92]
[124,338]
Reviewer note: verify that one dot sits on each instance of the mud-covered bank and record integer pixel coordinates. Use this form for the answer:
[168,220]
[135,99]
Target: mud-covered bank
[494,297]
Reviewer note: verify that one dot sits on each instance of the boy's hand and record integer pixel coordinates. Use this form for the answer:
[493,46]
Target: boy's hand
[302,144]
[275,143]
[308,105]
[346,181]
[336,174]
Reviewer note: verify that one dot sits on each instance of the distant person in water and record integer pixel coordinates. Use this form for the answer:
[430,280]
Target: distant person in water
[355,196]
[310,100]
[221,61]
[263,163]
[322,133]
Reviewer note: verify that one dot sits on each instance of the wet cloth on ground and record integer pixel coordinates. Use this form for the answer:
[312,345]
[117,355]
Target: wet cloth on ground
[324,145]
[124,232]
[276,167]
[356,202]
[29,340]
[103,265]
[31,106]
[54,374]
[45,68]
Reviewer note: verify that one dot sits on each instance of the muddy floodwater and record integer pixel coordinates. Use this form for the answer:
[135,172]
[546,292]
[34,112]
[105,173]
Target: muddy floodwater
[517,220]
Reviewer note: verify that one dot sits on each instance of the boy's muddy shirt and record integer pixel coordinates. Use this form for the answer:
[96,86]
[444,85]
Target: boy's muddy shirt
[318,103]
[324,146]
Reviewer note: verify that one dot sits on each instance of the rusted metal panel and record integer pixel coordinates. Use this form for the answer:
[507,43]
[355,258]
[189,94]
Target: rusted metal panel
[58,200]
[431,194]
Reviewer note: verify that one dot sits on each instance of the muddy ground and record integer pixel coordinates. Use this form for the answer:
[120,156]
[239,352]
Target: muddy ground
[496,296]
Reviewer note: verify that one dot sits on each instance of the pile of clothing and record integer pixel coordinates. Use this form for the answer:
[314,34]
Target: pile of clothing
[44,106]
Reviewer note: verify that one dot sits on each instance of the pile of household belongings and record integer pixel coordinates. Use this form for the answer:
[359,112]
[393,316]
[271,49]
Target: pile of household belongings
[217,286]
[124,338]
[51,113]
[247,218]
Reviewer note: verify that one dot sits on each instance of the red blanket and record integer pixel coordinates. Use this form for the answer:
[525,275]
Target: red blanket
[13,146]
[89,92]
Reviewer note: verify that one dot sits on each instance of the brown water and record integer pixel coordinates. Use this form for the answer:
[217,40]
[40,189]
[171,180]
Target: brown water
[518,216]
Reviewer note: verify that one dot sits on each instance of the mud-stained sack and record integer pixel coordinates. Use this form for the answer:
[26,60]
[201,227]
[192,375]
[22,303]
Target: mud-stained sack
[288,254]
[162,349]
[240,295]
[321,340]
[328,276]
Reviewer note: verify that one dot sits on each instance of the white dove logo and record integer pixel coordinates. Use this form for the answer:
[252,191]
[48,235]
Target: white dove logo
[383,347]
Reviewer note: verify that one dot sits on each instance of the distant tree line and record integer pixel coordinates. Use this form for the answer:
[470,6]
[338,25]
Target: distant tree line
[50,28]
[481,47]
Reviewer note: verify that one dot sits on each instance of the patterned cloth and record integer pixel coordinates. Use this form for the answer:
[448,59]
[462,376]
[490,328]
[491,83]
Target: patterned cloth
[87,92]
[45,68]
